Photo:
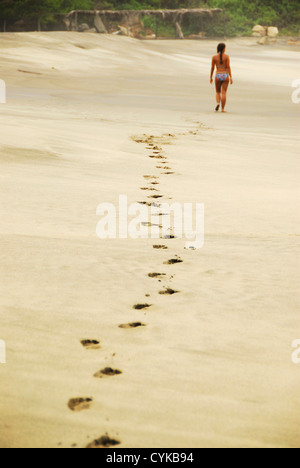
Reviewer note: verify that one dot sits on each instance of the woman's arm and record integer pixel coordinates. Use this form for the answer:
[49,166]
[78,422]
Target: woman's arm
[212,69]
[229,69]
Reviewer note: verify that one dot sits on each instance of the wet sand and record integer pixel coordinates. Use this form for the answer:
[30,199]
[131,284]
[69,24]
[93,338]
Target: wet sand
[211,366]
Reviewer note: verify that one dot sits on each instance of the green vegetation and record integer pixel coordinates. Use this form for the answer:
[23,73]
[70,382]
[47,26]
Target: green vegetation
[238,17]
[35,13]
[242,15]
[158,26]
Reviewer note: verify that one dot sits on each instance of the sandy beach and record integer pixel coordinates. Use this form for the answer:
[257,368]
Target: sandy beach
[211,367]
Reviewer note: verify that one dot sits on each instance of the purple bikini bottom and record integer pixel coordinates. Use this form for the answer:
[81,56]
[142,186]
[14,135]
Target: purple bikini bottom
[222,76]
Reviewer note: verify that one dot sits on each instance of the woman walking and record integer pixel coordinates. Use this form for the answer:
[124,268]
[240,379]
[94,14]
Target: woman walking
[221,62]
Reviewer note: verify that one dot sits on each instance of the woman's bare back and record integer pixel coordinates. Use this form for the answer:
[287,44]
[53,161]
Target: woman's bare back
[224,66]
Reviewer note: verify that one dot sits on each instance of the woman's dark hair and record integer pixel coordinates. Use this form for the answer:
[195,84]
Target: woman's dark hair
[220,50]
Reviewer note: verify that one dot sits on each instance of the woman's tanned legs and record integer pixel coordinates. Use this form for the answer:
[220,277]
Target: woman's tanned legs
[224,94]
[221,93]
[218,91]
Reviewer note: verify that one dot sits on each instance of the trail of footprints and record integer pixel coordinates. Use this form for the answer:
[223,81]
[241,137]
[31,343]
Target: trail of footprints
[154,144]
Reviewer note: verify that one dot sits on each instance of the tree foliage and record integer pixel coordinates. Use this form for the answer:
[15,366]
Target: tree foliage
[239,16]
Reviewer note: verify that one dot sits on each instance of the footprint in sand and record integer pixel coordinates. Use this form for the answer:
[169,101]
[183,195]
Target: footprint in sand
[107,372]
[152,141]
[132,325]
[90,344]
[151,204]
[158,157]
[145,203]
[141,306]
[155,196]
[173,261]
[150,177]
[79,404]
[152,189]
[103,442]
[156,275]
[146,139]
[168,292]
[147,224]
[161,214]
[160,247]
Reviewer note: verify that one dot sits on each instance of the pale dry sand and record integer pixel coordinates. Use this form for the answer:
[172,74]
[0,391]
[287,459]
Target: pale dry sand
[213,365]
